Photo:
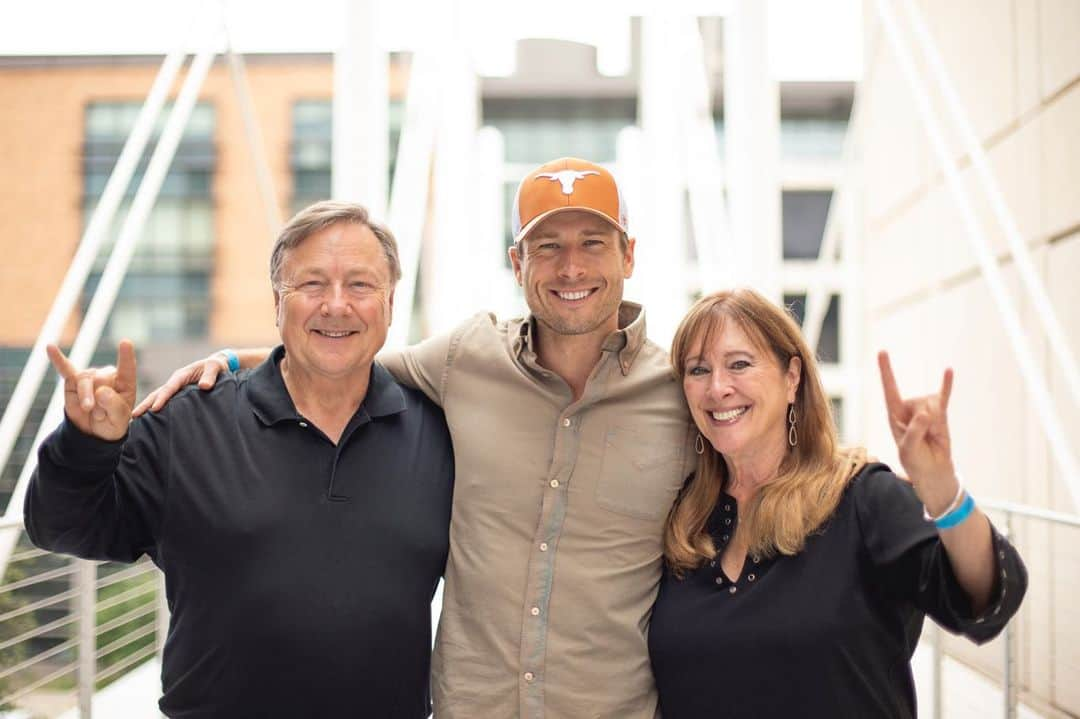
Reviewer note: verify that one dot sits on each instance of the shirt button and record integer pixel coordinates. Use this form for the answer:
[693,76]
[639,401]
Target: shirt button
[719,580]
[756,559]
[725,537]
[303,424]
[543,546]
[535,611]
[529,676]
[751,577]
[566,422]
[732,589]
[712,563]
[554,483]
[727,521]
[727,507]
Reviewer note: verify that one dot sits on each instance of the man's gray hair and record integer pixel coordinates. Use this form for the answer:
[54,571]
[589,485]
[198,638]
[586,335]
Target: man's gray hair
[321,215]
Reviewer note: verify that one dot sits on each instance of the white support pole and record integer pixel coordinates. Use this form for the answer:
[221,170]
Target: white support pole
[1018,341]
[85,579]
[705,187]
[752,139]
[361,107]
[852,317]
[112,277]
[410,192]
[450,290]
[490,262]
[660,256]
[96,229]
[253,136]
[1044,308]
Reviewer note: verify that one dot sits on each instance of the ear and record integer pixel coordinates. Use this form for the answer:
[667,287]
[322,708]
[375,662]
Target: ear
[277,308]
[793,376]
[515,262]
[390,307]
[628,258]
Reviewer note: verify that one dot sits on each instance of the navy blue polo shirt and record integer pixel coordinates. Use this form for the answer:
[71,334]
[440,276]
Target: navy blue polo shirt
[299,573]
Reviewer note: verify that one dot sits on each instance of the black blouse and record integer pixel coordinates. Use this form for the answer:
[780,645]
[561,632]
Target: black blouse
[828,632]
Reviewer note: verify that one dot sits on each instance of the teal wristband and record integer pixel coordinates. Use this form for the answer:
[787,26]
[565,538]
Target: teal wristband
[958,515]
[231,359]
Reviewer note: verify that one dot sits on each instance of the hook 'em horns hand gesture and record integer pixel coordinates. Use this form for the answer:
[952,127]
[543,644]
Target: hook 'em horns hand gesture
[921,430]
[99,400]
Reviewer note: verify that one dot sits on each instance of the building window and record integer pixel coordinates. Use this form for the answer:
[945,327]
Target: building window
[165,293]
[804,213]
[538,129]
[814,119]
[311,155]
[828,349]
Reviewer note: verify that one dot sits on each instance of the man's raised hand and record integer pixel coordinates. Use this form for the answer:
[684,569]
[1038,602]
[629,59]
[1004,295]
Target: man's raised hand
[99,400]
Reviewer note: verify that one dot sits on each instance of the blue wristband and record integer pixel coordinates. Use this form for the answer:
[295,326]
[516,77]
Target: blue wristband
[231,359]
[958,515]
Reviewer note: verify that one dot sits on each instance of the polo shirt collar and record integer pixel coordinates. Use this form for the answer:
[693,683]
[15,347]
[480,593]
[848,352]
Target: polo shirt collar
[271,402]
[627,341]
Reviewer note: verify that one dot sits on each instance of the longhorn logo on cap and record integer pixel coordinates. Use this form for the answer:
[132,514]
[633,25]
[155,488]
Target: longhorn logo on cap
[567,178]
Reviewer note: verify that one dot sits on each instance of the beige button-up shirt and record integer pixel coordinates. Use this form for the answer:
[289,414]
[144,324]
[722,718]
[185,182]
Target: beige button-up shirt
[559,510]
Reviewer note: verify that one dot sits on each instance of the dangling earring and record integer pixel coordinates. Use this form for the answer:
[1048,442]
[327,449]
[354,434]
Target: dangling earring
[792,435]
[699,444]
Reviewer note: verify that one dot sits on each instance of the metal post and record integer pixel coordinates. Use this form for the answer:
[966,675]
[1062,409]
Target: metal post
[1009,673]
[86,600]
[161,617]
[752,139]
[361,110]
[936,671]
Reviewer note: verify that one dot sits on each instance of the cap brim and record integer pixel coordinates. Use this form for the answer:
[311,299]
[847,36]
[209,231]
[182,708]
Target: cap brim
[544,215]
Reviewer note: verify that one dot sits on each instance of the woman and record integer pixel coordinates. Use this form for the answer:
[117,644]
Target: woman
[798,574]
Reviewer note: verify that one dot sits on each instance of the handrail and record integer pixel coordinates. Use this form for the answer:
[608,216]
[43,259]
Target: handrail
[1024,510]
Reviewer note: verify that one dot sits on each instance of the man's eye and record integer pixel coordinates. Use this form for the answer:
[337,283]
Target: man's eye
[311,285]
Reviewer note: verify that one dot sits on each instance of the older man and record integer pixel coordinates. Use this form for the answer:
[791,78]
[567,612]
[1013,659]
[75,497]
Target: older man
[300,512]
[571,439]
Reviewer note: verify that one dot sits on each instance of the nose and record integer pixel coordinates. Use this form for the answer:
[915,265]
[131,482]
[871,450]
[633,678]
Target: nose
[336,301]
[571,266]
[719,386]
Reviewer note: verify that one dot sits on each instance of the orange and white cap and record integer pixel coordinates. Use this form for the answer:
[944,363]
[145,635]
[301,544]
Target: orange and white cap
[566,184]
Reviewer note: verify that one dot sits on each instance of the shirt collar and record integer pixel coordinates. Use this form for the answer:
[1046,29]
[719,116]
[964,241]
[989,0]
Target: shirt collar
[626,341]
[271,402]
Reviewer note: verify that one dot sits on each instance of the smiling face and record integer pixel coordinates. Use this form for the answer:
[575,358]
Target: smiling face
[335,301]
[572,266]
[739,394]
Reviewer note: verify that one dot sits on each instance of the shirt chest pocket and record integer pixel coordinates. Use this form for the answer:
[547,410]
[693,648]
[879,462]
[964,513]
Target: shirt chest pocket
[640,474]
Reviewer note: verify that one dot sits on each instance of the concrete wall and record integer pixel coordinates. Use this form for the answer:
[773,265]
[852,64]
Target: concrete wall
[1016,64]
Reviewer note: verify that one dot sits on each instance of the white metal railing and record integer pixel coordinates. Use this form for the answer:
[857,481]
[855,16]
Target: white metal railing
[111,619]
[1009,683]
